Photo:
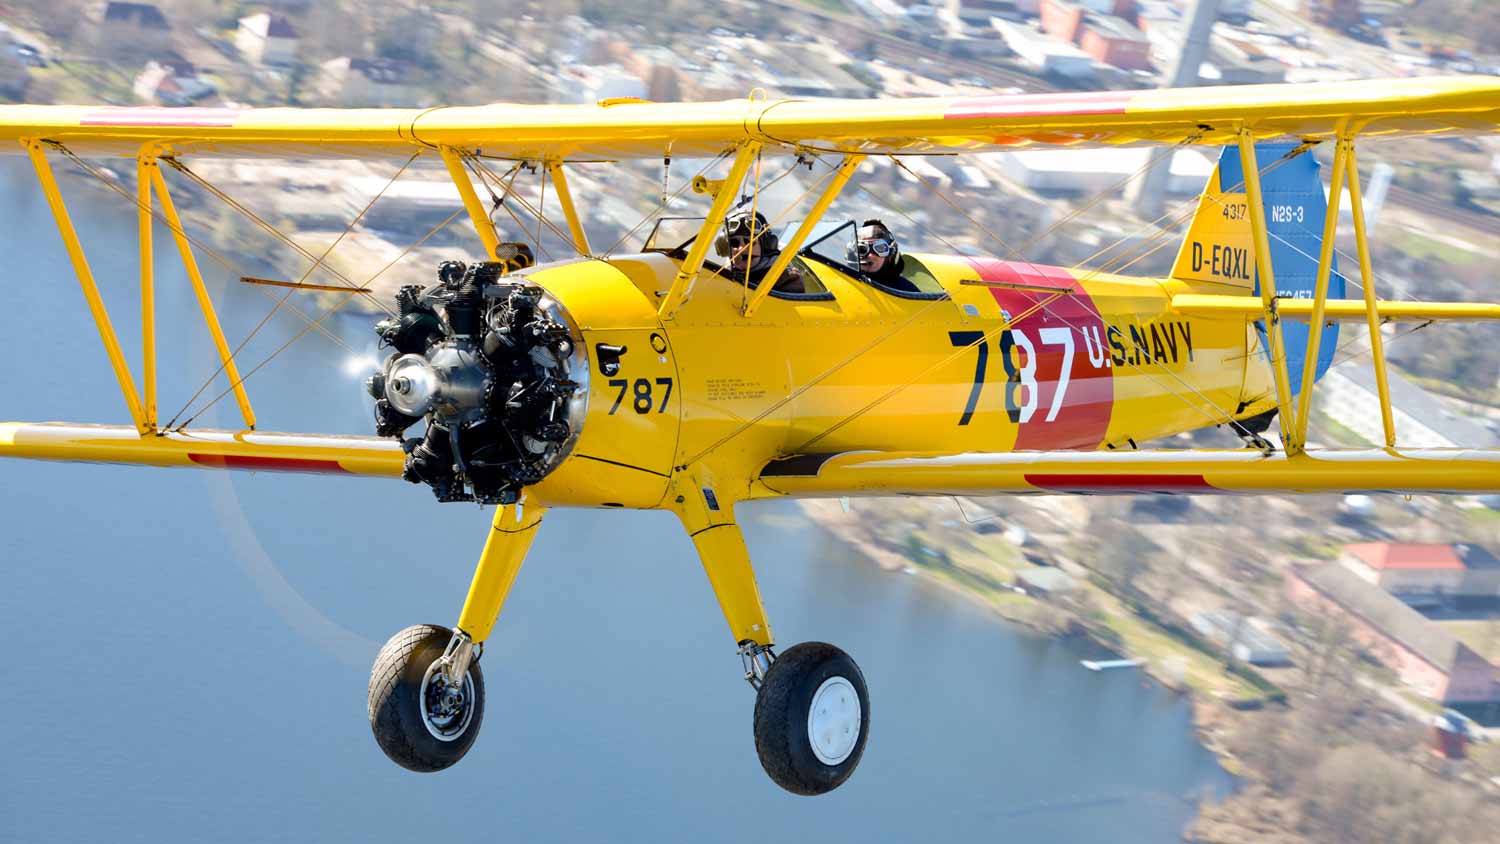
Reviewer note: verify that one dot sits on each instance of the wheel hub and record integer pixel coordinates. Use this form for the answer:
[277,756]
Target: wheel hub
[446,712]
[833,721]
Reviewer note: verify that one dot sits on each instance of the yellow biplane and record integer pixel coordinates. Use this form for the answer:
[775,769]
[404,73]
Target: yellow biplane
[661,379]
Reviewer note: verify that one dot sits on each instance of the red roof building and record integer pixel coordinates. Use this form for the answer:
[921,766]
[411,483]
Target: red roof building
[1115,41]
[1423,654]
[1414,572]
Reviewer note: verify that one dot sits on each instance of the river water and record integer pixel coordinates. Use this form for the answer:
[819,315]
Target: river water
[187,652]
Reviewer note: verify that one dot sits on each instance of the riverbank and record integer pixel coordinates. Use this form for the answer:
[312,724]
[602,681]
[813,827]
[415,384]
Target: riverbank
[983,566]
[1145,577]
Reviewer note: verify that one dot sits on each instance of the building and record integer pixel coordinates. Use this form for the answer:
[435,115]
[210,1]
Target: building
[1424,655]
[1106,30]
[593,83]
[1246,638]
[1044,581]
[133,15]
[407,205]
[1423,420]
[171,81]
[1062,19]
[1047,56]
[1481,584]
[1091,171]
[368,83]
[976,14]
[1116,42]
[1415,573]
[126,32]
[267,39]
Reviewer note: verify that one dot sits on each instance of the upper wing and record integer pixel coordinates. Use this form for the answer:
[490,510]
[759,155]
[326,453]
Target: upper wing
[635,129]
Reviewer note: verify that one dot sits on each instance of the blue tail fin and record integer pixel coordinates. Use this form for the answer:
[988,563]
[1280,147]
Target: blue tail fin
[1219,246]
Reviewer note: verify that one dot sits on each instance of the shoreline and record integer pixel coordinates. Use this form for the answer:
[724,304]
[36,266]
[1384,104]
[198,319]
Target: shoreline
[1208,715]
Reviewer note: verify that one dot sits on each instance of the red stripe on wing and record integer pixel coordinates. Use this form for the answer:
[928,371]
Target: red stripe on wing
[1040,105]
[1121,483]
[268,464]
[201,118]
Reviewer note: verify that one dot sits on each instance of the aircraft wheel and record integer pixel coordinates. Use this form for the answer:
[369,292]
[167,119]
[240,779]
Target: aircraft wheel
[421,722]
[812,717]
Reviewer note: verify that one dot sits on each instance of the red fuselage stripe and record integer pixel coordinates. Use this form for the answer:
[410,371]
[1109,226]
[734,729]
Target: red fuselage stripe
[1087,404]
[268,464]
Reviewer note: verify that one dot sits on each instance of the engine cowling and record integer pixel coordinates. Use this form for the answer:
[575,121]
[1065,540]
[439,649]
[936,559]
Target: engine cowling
[497,370]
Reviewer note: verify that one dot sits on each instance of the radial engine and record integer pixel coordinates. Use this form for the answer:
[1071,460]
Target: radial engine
[496,369]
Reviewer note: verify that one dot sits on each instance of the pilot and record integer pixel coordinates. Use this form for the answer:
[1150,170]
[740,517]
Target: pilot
[753,247]
[879,257]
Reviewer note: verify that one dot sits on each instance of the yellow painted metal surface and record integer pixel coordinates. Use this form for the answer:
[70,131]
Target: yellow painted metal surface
[511,532]
[144,221]
[704,500]
[247,450]
[1320,295]
[1373,308]
[623,456]
[570,212]
[1218,240]
[1342,310]
[1262,252]
[1147,471]
[1209,116]
[483,225]
[867,369]
[86,280]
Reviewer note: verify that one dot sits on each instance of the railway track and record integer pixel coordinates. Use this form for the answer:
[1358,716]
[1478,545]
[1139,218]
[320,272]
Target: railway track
[1445,210]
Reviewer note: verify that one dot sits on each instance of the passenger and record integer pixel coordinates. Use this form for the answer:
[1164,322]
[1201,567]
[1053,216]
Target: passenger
[879,257]
[750,260]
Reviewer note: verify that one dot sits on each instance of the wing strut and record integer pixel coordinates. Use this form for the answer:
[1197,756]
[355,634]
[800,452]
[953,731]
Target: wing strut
[482,223]
[570,213]
[723,199]
[1267,287]
[205,302]
[37,152]
[1372,310]
[1298,439]
[814,215]
[145,164]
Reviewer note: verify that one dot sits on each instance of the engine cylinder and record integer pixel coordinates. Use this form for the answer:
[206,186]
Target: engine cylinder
[498,371]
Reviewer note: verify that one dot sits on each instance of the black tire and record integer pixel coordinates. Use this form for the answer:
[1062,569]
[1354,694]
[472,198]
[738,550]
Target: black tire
[783,709]
[396,704]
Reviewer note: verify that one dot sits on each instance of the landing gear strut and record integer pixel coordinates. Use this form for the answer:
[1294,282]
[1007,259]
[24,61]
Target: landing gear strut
[426,689]
[812,708]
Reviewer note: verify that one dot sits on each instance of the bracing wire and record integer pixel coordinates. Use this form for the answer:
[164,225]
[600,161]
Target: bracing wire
[161,217]
[321,318]
[318,261]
